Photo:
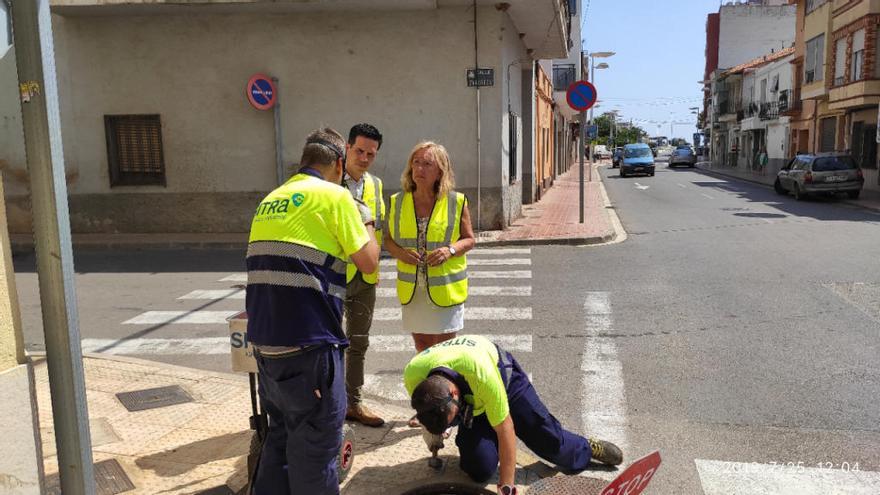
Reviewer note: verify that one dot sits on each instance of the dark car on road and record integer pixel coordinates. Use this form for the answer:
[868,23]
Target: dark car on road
[637,159]
[617,157]
[683,156]
[823,173]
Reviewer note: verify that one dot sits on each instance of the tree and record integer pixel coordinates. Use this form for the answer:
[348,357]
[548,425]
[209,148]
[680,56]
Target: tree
[624,132]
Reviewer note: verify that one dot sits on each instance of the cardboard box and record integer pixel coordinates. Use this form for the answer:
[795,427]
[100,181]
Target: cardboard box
[241,351]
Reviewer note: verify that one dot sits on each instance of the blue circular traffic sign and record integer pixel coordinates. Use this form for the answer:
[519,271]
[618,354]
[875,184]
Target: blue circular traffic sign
[581,95]
[261,92]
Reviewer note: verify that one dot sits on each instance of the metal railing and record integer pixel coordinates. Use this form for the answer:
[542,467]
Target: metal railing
[768,110]
[563,76]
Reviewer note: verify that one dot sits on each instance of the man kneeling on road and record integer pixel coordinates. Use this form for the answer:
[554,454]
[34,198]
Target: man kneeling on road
[471,383]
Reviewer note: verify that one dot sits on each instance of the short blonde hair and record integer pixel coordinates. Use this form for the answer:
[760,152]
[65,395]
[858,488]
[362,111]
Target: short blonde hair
[438,152]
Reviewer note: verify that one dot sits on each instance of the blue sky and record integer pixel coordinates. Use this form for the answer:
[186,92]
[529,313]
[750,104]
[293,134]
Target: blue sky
[660,57]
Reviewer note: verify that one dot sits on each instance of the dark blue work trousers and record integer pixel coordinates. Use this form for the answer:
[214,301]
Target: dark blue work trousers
[305,431]
[534,425]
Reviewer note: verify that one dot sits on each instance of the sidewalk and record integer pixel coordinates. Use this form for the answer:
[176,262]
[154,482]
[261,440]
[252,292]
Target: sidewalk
[869,199]
[555,218]
[552,220]
[200,446]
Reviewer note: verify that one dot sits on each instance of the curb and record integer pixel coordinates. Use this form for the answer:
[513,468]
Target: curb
[770,186]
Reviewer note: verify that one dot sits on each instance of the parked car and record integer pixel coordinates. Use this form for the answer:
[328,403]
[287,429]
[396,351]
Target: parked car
[683,155]
[601,152]
[637,159]
[822,173]
[617,157]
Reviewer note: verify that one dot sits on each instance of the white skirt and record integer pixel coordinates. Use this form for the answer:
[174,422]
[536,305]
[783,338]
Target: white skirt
[421,315]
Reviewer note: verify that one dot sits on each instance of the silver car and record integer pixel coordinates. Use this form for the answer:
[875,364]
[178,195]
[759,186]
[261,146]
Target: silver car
[683,156]
[823,173]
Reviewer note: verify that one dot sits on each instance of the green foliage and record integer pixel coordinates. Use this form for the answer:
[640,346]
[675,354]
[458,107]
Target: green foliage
[624,133]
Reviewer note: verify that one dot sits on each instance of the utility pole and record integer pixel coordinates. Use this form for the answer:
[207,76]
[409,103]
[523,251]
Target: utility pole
[35,56]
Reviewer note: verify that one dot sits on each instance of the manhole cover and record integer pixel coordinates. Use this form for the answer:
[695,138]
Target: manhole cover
[567,485]
[151,398]
[109,476]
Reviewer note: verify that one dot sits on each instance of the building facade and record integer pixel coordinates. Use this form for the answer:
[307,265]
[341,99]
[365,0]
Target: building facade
[159,136]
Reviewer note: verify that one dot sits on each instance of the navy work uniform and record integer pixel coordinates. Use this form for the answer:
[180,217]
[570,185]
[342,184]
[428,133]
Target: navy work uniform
[494,384]
[301,237]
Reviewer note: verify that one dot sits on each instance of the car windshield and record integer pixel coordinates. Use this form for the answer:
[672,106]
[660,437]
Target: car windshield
[637,152]
[831,163]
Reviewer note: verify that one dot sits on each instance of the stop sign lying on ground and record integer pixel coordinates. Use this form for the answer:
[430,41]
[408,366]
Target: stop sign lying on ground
[636,477]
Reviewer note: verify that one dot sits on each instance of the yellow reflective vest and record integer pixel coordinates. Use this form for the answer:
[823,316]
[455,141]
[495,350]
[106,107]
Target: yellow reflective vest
[373,198]
[447,283]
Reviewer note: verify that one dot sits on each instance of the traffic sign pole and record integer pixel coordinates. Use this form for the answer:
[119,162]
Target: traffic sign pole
[279,147]
[581,148]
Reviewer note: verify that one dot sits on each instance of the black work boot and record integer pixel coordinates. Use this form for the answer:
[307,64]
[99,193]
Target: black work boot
[605,452]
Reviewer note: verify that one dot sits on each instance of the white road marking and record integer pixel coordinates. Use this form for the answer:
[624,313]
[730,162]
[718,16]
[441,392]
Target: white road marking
[736,478]
[180,317]
[392,275]
[641,187]
[476,262]
[472,274]
[470,313]
[215,294]
[204,345]
[706,196]
[386,385]
[401,343]
[604,400]
[682,186]
[499,251]
[472,291]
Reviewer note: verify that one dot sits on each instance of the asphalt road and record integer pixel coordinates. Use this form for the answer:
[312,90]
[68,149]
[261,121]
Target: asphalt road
[732,326]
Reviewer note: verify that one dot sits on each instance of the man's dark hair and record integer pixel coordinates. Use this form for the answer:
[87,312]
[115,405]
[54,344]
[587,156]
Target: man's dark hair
[430,399]
[365,130]
[317,153]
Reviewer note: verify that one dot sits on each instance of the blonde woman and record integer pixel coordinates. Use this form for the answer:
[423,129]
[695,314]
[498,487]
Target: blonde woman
[429,231]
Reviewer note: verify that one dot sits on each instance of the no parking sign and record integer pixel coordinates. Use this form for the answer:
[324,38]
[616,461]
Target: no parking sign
[261,92]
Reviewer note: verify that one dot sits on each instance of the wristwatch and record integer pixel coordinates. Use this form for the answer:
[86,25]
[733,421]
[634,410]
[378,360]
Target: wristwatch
[451,250]
[506,490]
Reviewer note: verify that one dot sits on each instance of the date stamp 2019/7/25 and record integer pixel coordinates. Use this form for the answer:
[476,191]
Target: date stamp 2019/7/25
[795,466]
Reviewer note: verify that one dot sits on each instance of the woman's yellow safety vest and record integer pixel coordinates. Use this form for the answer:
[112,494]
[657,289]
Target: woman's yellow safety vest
[447,283]
[373,198]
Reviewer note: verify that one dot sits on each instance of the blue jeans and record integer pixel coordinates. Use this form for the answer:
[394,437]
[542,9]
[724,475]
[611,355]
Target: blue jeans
[534,425]
[305,430]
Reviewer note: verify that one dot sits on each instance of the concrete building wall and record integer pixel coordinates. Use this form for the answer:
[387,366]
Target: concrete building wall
[13,166]
[513,56]
[402,71]
[749,31]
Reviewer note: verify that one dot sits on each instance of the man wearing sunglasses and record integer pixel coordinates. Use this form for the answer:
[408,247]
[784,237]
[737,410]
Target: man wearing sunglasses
[471,383]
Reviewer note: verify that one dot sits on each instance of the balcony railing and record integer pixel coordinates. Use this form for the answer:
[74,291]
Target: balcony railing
[563,77]
[790,101]
[769,110]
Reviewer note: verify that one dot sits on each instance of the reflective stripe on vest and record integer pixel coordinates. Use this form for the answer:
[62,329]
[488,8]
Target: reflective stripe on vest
[372,189]
[447,283]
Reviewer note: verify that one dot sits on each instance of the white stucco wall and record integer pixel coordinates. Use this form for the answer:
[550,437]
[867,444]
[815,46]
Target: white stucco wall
[749,31]
[192,70]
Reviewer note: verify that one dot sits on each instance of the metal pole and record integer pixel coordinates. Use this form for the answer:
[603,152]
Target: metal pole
[51,219]
[279,143]
[581,154]
[479,129]
[592,80]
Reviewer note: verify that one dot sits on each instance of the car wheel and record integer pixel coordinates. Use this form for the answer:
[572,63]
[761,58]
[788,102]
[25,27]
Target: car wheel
[777,186]
[853,194]
[798,195]
[651,174]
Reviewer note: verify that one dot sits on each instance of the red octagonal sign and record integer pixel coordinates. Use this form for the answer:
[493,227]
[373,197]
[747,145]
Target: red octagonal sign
[636,477]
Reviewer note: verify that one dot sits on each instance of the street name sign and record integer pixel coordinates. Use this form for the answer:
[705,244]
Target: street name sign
[480,77]
[261,92]
[581,95]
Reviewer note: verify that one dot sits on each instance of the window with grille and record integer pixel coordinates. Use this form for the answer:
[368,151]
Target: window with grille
[563,76]
[134,150]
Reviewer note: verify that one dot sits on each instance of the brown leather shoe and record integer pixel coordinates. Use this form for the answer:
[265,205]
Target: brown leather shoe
[364,416]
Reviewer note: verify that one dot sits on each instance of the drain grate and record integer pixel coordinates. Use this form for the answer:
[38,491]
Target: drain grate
[151,398]
[567,485]
[110,479]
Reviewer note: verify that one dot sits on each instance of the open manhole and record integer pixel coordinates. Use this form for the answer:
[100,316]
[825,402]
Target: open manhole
[448,488]
[110,479]
[151,398]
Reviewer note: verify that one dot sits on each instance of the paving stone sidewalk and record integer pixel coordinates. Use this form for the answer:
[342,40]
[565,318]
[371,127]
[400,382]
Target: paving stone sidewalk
[201,446]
